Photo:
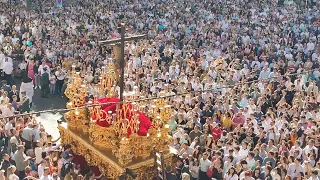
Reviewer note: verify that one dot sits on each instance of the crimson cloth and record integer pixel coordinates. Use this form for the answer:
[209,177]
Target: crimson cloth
[80,160]
[144,126]
[216,133]
[145,122]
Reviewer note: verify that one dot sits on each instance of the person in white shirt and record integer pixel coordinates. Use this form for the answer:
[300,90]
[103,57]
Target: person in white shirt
[52,85]
[8,110]
[204,165]
[2,60]
[231,174]
[314,175]
[309,147]
[276,173]
[41,167]
[7,69]
[60,79]
[11,173]
[88,77]
[310,46]
[46,174]
[8,127]
[243,152]
[23,67]
[27,86]
[41,68]
[295,168]
[297,148]
[38,153]
[51,148]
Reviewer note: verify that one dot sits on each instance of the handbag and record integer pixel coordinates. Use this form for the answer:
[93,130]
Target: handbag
[209,173]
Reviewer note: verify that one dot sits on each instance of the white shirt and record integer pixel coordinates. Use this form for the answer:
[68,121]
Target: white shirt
[13,177]
[293,170]
[8,112]
[52,79]
[23,66]
[52,148]
[204,164]
[38,152]
[28,87]
[40,170]
[2,59]
[311,178]
[8,127]
[229,177]
[60,75]
[310,46]
[308,149]
[41,71]
[8,67]
[243,153]
[46,177]
[89,78]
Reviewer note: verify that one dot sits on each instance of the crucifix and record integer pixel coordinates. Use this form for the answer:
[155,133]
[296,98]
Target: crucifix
[120,43]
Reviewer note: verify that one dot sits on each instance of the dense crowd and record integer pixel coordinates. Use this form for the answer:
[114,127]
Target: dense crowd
[245,75]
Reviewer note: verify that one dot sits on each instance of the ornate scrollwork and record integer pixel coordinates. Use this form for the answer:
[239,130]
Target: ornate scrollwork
[77,120]
[102,136]
[108,80]
[120,138]
[108,167]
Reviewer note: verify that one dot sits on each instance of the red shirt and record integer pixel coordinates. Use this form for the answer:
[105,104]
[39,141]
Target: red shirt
[216,133]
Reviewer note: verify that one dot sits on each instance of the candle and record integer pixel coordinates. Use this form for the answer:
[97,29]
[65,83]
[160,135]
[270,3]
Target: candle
[109,61]
[77,112]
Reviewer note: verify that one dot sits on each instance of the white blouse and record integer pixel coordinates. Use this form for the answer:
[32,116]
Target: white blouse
[13,177]
[228,177]
[38,152]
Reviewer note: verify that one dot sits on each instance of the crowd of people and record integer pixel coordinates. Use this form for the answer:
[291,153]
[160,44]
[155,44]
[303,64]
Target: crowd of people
[242,77]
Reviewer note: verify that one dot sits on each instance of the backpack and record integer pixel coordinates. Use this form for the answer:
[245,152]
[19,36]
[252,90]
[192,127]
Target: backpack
[65,169]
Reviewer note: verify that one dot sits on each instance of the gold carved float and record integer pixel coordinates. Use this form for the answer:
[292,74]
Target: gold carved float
[111,148]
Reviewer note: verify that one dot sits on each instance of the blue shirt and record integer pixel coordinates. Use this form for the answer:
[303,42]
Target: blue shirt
[14,105]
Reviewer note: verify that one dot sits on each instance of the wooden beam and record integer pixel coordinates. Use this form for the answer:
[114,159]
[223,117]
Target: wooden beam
[122,41]
[118,40]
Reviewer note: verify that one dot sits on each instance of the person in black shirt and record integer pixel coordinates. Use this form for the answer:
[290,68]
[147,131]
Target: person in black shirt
[170,174]
[13,92]
[5,163]
[267,172]
[290,94]
[39,56]
[36,74]
[206,113]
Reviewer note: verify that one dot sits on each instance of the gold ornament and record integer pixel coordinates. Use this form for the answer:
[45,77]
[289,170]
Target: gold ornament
[111,148]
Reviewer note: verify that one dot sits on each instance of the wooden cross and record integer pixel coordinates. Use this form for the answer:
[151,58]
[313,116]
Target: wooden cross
[122,40]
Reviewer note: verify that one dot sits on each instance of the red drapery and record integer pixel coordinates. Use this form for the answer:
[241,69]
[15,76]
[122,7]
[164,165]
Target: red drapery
[144,126]
[80,160]
[145,122]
